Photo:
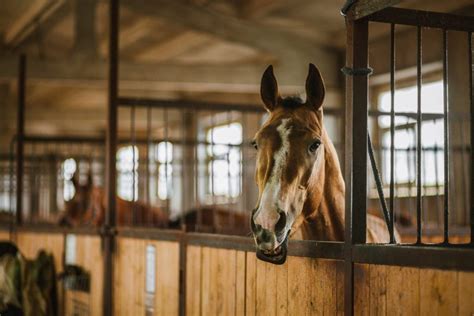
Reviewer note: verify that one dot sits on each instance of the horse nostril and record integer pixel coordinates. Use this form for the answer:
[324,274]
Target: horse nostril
[280,225]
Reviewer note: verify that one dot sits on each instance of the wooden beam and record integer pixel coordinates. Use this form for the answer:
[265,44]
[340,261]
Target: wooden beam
[41,17]
[85,41]
[293,51]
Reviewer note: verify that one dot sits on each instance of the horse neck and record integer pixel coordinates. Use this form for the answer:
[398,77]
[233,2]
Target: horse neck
[324,206]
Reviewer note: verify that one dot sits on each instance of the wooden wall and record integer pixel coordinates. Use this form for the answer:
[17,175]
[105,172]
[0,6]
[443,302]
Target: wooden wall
[231,282]
[4,235]
[390,290]
[89,257]
[129,282]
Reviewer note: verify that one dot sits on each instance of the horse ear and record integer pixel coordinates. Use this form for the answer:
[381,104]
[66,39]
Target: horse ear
[315,89]
[269,89]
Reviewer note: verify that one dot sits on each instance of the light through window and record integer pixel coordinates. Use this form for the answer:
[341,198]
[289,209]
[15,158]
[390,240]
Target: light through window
[432,134]
[127,172]
[163,157]
[69,167]
[224,160]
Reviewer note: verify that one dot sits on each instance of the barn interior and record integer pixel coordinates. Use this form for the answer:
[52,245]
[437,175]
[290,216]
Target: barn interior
[189,74]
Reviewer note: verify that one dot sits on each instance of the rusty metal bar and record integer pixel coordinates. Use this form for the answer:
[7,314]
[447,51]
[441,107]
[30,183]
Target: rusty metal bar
[418,135]
[446,21]
[471,96]
[19,138]
[355,156]
[111,149]
[446,136]
[392,131]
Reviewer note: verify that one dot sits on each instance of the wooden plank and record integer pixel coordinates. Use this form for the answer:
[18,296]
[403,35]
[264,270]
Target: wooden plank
[361,289]
[240,279]
[323,287]
[438,292]
[299,293]
[167,277]
[466,293]
[193,281]
[366,7]
[226,268]
[4,235]
[340,288]
[282,289]
[402,290]
[251,284]
[207,285]
[261,288]
[378,290]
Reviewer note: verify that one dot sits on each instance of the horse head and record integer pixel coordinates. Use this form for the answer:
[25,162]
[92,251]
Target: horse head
[290,150]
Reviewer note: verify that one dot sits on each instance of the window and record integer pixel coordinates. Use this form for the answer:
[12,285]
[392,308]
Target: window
[68,169]
[432,134]
[127,169]
[163,156]
[224,160]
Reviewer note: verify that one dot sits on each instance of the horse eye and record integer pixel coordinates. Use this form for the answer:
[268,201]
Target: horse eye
[314,146]
[254,144]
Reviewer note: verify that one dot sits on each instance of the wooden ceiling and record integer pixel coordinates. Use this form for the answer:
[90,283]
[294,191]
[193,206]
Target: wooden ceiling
[183,49]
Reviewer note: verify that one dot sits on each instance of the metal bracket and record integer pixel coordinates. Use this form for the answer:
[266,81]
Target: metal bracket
[357,71]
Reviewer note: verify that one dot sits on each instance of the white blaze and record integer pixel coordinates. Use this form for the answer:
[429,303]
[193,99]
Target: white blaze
[267,214]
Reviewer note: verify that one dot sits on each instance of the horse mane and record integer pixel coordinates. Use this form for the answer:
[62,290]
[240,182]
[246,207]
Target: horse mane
[292,102]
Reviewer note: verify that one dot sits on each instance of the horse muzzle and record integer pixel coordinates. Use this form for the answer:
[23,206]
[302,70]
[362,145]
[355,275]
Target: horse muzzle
[272,246]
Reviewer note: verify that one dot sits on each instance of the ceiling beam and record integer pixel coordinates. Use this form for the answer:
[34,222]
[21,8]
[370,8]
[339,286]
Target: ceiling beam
[85,40]
[293,51]
[39,19]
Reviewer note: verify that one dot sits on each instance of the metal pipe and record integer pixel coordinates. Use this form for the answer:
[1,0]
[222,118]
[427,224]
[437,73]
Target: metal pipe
[111,149]
[446,136]
[19,138]
[418,135]
[471,96]
[392,131]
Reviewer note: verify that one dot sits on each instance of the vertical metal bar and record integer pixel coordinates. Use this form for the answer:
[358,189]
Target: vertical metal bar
[166,136]
[229,179]
[418,135]
[196,170]
[471,96]
[213,126]
[147,172]
[111,148]
[20,138]
[392,130]
[446,136]
[134,166]
[355,156]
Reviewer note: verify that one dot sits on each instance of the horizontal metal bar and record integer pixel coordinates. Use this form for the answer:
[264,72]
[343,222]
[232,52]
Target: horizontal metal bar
[202,106]
[452,22]
[455,257]
[150,233]
[50,228]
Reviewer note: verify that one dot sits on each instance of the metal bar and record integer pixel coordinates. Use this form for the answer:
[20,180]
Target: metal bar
[418,135]
[165,119]
[458,257]
[452,22]
[471,96]
[355,157]
[148,155]
[202,106]
[392,131]
[111,149]
[446,136]
[19,138]
[132,139]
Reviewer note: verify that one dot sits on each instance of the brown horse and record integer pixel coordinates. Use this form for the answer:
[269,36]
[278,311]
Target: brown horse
[88,206]
[301,188]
